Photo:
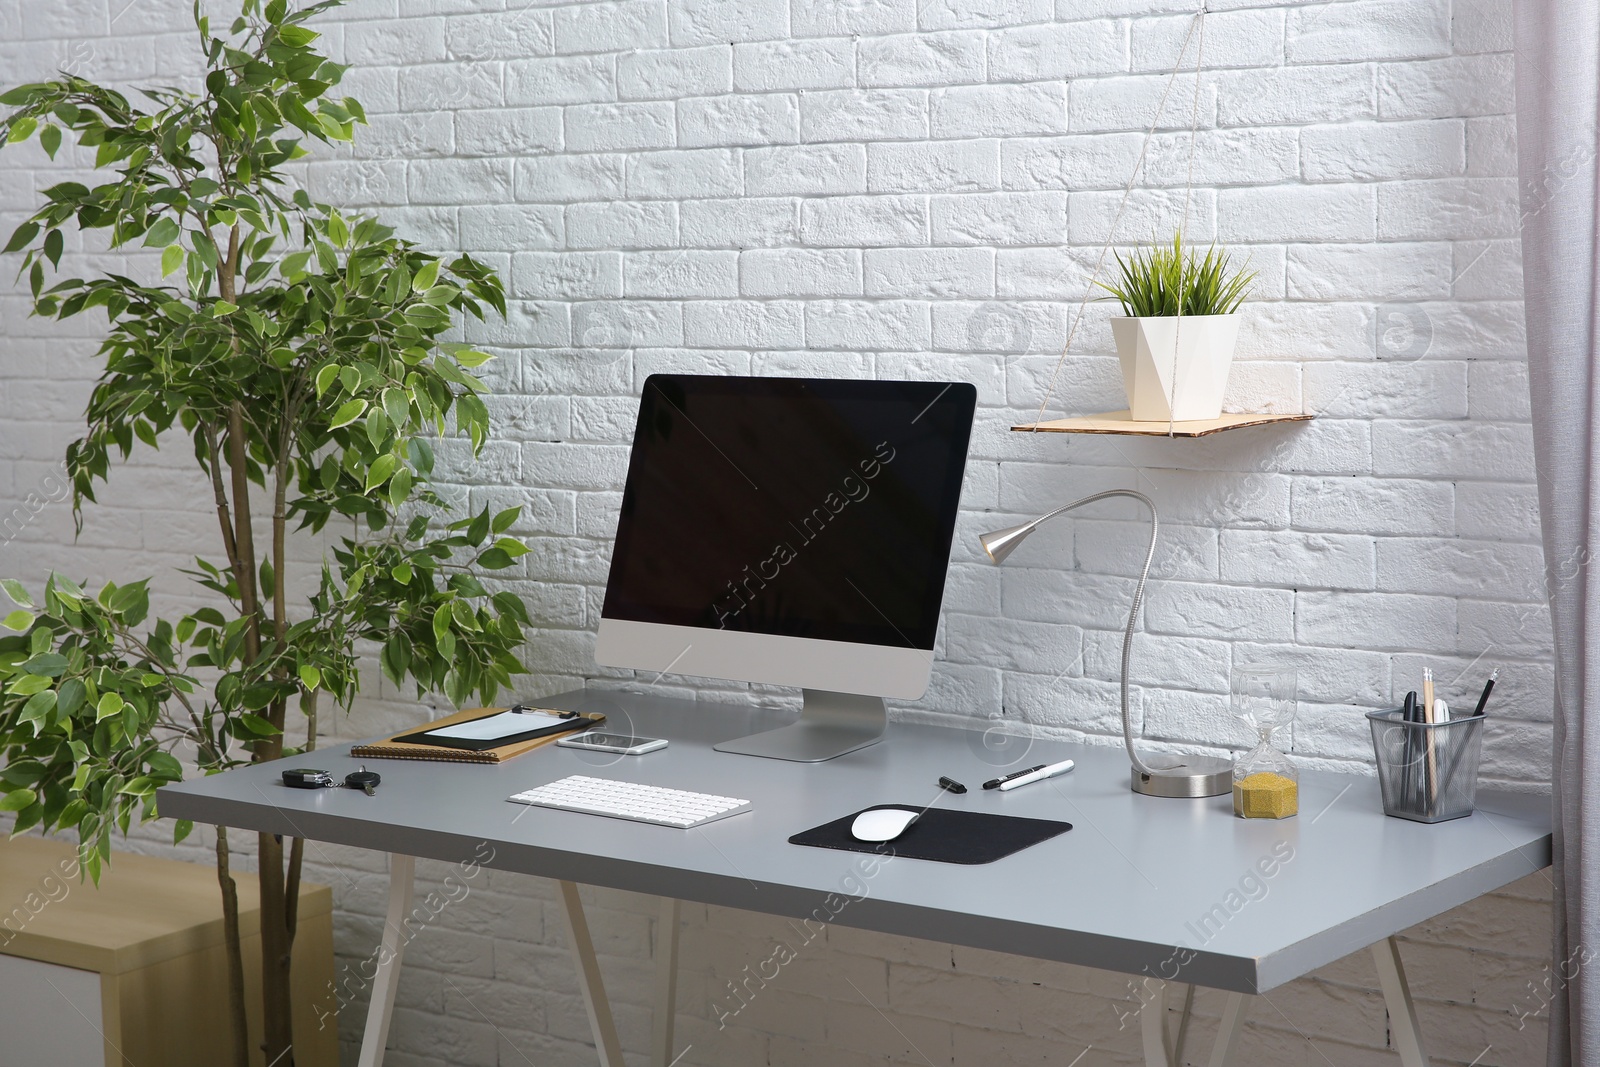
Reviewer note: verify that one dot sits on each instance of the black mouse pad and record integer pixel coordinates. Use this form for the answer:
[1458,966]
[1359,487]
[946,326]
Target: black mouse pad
[942,835]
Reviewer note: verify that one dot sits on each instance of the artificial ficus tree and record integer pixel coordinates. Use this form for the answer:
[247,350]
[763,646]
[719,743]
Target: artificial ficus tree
[299,351]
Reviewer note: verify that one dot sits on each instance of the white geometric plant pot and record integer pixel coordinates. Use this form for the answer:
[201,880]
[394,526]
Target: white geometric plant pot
[1204,356]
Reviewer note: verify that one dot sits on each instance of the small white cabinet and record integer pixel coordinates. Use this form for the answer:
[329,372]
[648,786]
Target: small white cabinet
[49,1014]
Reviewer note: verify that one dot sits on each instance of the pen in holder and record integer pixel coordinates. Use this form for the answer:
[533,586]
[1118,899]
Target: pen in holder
[1428,771]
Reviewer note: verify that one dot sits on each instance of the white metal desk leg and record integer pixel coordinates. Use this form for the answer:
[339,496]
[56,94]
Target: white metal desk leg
[402,871]
[666,1009]
[594,990]
[1403,1027]
[1228,1030]
[1153,1024]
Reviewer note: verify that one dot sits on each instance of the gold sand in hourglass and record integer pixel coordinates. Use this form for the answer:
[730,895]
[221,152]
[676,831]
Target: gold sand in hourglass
[1266,796]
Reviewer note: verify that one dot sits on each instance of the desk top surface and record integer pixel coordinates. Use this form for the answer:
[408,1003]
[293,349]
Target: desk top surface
[1177,889]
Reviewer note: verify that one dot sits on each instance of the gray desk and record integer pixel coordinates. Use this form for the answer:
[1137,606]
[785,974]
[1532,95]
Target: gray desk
[1177,892]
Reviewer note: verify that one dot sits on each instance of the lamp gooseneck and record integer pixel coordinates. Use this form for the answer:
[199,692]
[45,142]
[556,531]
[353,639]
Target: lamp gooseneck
[1001,543]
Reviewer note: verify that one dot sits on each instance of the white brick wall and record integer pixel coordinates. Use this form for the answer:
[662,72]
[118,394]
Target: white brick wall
[920,188]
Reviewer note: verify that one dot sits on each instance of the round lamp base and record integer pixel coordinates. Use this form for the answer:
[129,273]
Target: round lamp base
[1184,776]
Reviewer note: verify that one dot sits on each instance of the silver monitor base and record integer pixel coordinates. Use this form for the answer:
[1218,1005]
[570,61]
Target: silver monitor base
[1184,776]
[830,725]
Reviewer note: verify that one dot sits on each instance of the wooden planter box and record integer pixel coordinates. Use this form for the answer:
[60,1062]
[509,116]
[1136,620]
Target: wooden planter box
[133,973]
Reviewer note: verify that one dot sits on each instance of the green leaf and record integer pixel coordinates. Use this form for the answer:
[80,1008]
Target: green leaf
[310,677]
[22,236]
[50,139]
[377,427]
[132,602]
[396,658]
[181,829]
[426,277]
[205,250]
[294,264]
[50,664]
[22,129]
[53,245]
[400,487]
[163,233]
[110,704]
[222,309]
[325,378]
[17,799]
[258,726]
[349,412]
[39,707]
[298,36]
[494,559]
[398,286]
[18,620]
[398,406]
[14,589]
[470,357]
[22,94]
[70,696]
[503,520]
[296,113]
[171,259]
[28,685]
[381,470]
[512,547]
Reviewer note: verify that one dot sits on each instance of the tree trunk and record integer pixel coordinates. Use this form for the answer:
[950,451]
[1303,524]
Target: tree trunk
[240,1044]
[277,1031]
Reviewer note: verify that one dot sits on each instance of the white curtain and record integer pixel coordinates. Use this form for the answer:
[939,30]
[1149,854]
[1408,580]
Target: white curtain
[1558,107]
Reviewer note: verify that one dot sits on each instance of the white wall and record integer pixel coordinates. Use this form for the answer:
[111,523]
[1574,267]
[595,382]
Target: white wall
[918,188]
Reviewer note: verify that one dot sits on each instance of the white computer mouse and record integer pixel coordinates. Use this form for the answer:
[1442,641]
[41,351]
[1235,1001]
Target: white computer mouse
[882,824]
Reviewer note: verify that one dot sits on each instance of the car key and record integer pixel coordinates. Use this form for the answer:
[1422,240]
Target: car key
[364,780]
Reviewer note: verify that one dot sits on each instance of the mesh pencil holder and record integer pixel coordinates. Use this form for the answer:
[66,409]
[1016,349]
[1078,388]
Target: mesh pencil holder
[1428,771]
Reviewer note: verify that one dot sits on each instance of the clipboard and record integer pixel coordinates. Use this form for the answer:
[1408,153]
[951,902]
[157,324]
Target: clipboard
[454,735]
[404,746]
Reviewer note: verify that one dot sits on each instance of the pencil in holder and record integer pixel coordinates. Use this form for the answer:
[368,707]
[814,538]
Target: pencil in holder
[1428,771]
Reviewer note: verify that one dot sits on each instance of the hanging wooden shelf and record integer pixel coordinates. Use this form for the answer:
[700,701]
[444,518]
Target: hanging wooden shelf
[1118,422]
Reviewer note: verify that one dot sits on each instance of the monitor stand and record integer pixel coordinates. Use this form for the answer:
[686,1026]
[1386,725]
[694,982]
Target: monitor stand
[830,725]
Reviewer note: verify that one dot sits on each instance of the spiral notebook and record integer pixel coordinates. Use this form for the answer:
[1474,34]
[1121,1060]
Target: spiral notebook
[397,746]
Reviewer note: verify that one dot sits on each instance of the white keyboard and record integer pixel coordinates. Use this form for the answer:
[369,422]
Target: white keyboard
[630,800]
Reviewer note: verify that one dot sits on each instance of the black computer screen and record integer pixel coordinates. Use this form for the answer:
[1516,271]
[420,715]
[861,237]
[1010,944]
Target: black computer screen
[794,507]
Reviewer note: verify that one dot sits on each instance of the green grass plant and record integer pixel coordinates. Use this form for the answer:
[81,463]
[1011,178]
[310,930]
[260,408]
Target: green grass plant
[1161,281]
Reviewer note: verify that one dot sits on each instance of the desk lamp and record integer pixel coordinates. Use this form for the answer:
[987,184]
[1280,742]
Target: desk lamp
[1161,776]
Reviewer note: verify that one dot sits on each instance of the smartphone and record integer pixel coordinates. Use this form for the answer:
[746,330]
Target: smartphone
[600,741]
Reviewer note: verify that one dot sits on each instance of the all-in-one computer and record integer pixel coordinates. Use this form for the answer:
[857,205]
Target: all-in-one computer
[792,532]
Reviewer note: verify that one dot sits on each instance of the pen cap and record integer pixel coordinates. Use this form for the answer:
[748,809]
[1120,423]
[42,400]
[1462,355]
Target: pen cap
[1427,772]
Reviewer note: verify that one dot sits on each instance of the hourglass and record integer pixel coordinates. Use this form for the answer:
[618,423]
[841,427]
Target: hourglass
[1265,783]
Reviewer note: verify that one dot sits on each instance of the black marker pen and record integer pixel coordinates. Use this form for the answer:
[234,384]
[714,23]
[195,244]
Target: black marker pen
[994,783]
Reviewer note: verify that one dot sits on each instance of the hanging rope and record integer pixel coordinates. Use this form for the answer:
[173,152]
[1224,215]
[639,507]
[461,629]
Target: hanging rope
[1183,221]
[1197,23]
